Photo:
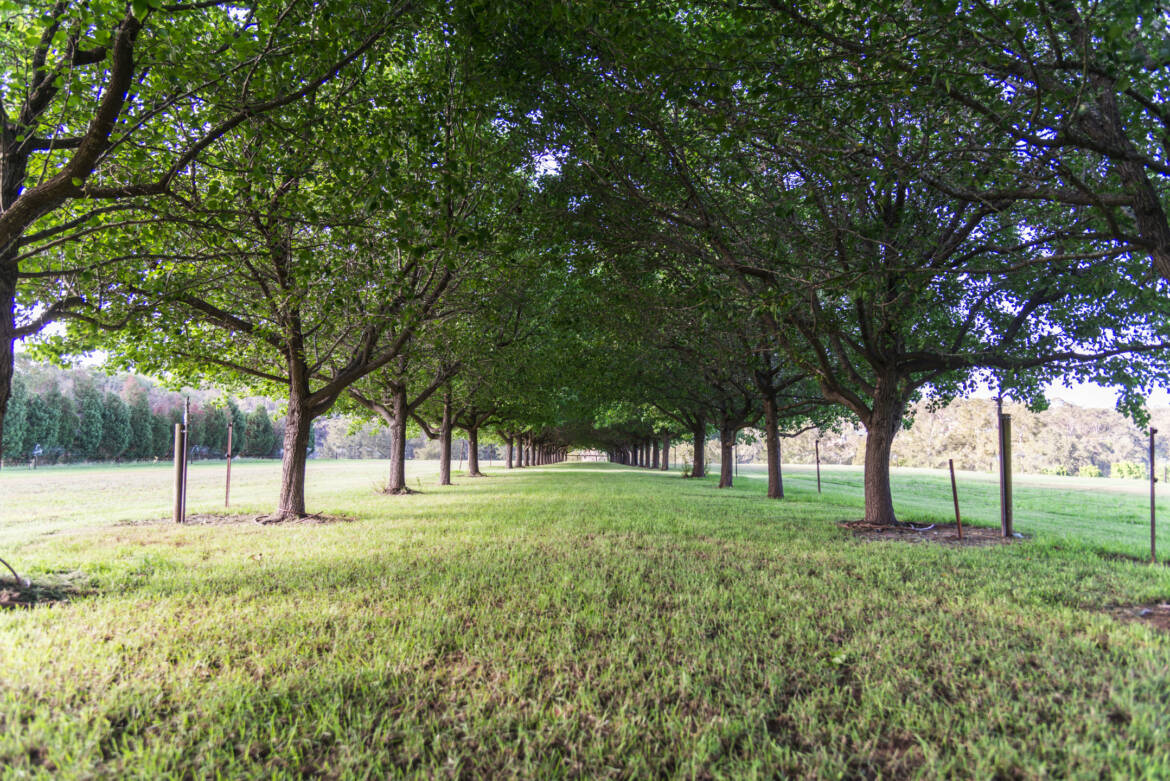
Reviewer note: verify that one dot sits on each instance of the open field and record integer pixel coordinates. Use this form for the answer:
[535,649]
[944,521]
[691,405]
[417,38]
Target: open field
[577,619]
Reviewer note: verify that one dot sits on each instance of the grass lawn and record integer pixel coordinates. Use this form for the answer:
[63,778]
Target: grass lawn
[574,620]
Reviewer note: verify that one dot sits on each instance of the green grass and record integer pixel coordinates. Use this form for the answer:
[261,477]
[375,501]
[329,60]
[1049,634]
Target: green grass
[573,620]
[1107,515]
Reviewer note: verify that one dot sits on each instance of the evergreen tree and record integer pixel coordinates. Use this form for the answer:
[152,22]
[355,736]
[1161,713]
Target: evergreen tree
[88,441]
[115,427]
[259,436]
[163,439]
[67,421]
[141,429]
[239,424]
[41,436]
[16,420]
[213,423]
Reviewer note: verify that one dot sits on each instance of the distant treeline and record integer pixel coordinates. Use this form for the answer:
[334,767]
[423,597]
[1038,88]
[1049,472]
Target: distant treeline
[62,416]
[1064,439]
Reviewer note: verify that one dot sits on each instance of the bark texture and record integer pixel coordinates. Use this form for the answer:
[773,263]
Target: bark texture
[445,442]
[473,452]
[727,457]
[772,444]
[700,437]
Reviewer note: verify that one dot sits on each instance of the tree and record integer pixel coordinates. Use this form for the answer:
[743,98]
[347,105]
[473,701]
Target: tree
[108,104]
[16,423]
[811,198]
[161,436]
[68,421]
[88,441]
[259,437]
[239,423]
[41,437]
[115,437]
[141,429]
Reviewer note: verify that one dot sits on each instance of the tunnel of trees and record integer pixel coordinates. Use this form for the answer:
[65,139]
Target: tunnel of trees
[578,225]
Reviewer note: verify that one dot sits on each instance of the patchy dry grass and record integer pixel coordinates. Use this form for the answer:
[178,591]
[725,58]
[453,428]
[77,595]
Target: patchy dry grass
[564,621]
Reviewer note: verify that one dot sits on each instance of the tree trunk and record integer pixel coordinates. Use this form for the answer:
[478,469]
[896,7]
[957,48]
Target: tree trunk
[445,442]
[508,452]
[7,337]
[700,435]
[654,456]
[772,440]
[881,427]
[397,482]
[473,452]
[726,457]
[298,427]
[665,452]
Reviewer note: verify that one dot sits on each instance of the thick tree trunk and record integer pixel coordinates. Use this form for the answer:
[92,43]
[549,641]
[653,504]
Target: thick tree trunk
[397,482]
[508,452]
[882,425]
[298,427]
[772,442]
[473,452]
[445,442]
[7,338]
[665,453]
[726,457]
[654,456]
[700,436]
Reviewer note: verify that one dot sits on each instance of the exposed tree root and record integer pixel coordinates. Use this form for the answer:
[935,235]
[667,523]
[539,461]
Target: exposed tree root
[17,579]
[403,491]
[314,518]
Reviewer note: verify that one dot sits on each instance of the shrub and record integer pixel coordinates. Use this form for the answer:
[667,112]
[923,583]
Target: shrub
[1127,470]
[1089,470]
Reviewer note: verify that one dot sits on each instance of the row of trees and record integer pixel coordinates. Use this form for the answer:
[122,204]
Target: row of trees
[584,224]
[87,425]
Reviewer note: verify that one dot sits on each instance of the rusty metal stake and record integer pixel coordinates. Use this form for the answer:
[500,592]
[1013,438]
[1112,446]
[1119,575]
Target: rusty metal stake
[955,494]
[817,445]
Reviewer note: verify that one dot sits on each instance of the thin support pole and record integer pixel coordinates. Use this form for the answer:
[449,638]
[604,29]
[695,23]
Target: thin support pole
[1005,474]
[227,489]
[186,450]
[955,494]
[177,514]
[817,444]
[1153,524]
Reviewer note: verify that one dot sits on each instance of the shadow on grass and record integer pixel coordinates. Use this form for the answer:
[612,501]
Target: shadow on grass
[45,590]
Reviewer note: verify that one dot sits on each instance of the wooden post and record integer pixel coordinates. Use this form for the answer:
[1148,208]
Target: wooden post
[1153,480]
[817,445]
[955,494]
[1005,474]
[186,449]
[227,491]
[177,515]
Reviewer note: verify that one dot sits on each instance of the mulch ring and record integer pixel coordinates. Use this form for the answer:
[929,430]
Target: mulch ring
[940,533]
[226,519]
[1156,615]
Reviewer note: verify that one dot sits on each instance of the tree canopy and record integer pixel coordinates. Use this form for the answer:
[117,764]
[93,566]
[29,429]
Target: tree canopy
[569,225]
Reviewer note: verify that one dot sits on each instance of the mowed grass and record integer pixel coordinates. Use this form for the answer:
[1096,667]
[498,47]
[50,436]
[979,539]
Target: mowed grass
[577,620]
[1102,514]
